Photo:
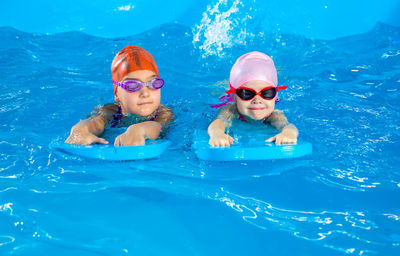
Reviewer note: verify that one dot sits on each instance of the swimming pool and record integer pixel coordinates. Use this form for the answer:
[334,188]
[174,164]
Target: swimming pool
[343,96]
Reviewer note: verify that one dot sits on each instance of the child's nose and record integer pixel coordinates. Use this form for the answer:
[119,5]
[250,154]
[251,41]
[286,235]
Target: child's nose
[256,100]
[144,92]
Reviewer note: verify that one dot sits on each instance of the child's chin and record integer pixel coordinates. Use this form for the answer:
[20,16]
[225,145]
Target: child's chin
[258,117]
[146,111]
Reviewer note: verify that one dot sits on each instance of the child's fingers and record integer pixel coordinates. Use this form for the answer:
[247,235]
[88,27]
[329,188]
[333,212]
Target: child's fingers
[211,143]
[271,139]
[226,142]
[220,143]
[281,141]
[289,141]
[75,139]
[101,141]
[117,141]
[139,142]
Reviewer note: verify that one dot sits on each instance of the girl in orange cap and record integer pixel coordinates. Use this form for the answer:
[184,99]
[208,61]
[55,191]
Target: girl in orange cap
[137,93]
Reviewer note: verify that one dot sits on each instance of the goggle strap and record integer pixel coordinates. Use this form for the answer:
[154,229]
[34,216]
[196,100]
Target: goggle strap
[278,88]
[119,84]
[231,90]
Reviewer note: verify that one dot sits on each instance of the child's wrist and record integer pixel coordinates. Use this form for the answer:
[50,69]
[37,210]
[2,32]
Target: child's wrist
[217,134]
[290,131]
[136,129]
[79,128]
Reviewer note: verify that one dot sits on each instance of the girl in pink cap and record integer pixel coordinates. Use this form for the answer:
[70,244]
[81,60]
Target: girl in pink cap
[253,91]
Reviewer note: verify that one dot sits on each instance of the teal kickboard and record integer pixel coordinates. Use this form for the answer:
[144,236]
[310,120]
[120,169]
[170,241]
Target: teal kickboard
[248,148]
[152,149]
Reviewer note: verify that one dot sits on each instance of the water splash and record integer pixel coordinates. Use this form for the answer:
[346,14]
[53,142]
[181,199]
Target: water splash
[223,25]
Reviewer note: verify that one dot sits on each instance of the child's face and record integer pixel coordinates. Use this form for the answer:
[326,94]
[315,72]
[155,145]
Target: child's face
[256,108]
[143,102]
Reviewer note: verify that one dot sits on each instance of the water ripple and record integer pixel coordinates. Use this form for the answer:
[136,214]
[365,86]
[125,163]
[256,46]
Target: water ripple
[330,229]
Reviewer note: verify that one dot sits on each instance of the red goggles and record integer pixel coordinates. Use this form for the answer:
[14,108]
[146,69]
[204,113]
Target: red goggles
[267,93]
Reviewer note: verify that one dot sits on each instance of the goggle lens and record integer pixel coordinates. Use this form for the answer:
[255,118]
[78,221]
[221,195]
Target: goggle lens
[248,94]
[268,94]
[135,85]
[245,94]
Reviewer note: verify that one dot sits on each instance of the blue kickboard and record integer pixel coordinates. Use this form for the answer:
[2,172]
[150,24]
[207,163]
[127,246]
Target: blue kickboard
[152,149]
[247,148]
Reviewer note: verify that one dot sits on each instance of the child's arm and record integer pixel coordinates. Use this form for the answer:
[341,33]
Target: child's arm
[137,134]
[165,118]
[216,130]
[87,131]
[289,132]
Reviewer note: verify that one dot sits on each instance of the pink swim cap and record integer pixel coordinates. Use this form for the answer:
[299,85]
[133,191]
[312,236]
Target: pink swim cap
[253,66]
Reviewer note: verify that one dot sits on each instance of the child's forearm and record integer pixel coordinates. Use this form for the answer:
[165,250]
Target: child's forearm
[87,132]
[218,138]
[149,130]
[216,127]
[92,125]
[278,120]
[290,129]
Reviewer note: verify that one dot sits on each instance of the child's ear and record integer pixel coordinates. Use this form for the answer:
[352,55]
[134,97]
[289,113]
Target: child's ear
[116,96]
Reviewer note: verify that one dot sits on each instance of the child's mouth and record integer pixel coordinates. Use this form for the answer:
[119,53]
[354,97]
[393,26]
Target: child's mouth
[144,103]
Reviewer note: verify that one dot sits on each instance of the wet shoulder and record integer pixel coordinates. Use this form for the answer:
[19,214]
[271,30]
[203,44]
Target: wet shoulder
[278,119]
[108,112]
[228,112]
[165,114]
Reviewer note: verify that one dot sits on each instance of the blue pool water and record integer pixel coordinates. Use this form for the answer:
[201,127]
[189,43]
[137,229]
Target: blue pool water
[343,200]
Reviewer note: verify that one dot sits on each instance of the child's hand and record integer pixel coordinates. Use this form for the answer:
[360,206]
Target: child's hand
[220,140]
[285,137]
[134,135]
[81,136]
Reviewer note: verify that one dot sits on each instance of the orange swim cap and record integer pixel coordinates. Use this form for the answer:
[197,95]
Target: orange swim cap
[129,59]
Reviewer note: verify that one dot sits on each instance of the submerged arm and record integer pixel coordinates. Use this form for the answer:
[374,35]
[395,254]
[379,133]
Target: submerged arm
[288,132]
[137,134]
[216,130]
[87,131]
